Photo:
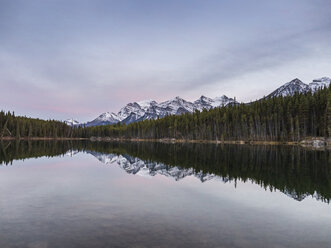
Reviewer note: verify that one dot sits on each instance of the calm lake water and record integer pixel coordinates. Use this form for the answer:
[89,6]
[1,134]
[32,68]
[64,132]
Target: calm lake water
[84,194]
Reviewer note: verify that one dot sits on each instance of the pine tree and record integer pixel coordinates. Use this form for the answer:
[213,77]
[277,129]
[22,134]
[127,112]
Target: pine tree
[18,135]
[328,116]
[30,130]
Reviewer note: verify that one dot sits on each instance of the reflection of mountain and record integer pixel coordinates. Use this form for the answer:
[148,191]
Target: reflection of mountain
[71,153]
[293,170]
[133,165]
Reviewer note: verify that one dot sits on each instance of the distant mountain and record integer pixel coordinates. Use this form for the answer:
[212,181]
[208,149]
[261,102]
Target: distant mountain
[208,103]
[150,109]
[290,88]
[71,122]
[319,83]
[297,86]
[103,119]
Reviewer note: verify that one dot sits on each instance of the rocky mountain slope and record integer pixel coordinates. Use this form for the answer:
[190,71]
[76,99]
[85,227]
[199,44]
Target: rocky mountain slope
[296,85]
[150,109]
[71,122]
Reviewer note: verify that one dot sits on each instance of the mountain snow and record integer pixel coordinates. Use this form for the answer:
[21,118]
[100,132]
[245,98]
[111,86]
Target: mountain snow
[290,88]
[103,119]
[150,109]
[297,86]
[146,104]
[319,83]
[71,122]
[207,103]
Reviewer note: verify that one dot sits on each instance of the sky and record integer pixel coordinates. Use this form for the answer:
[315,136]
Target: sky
[78,59]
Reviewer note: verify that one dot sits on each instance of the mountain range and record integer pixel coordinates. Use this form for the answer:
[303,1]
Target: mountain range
[150,109]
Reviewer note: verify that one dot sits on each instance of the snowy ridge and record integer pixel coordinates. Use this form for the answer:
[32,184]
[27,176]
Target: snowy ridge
[297,86]
[71,122]
[319,83]
[103,119]
[150,109]
[207,103]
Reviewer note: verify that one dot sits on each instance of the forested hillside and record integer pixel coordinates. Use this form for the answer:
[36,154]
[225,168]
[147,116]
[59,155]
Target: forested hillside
[19,127]
[291,118]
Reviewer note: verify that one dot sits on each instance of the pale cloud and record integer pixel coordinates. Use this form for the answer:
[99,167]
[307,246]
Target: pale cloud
[77,59]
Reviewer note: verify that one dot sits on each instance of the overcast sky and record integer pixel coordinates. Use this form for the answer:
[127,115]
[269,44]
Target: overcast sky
[63,59]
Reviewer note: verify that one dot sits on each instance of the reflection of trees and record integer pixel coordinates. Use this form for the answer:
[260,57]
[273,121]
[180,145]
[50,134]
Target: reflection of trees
[291,169]
[20,150]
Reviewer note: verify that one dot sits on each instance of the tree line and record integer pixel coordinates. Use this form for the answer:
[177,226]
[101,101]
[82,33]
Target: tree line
[25,127]
[290,118]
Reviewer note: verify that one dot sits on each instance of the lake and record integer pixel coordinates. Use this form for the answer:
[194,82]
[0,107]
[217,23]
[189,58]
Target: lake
[98,194]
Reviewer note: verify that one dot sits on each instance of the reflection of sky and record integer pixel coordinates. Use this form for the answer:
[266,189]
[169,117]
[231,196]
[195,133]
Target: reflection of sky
[78,199]
[80,58]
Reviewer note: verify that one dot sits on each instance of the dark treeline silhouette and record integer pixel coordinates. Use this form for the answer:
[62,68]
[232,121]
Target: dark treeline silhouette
[293,170]
[21,127]
[291,118]
[20,150]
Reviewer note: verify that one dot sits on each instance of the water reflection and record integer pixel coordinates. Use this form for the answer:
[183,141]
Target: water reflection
[136,166]
[297,172]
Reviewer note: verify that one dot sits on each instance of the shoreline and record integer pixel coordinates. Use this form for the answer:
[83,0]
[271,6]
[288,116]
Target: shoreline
[41,138]
[316,142]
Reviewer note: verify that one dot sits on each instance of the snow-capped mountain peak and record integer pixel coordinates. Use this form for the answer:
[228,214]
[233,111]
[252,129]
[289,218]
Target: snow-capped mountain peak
[297,86]
[204,99]
[145,104]
[207,103]
[129,110]
[177,105]
[107,116]
[104,119]
[222,101]
[71,122]
[150,109]
[290,88]
[319,83]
